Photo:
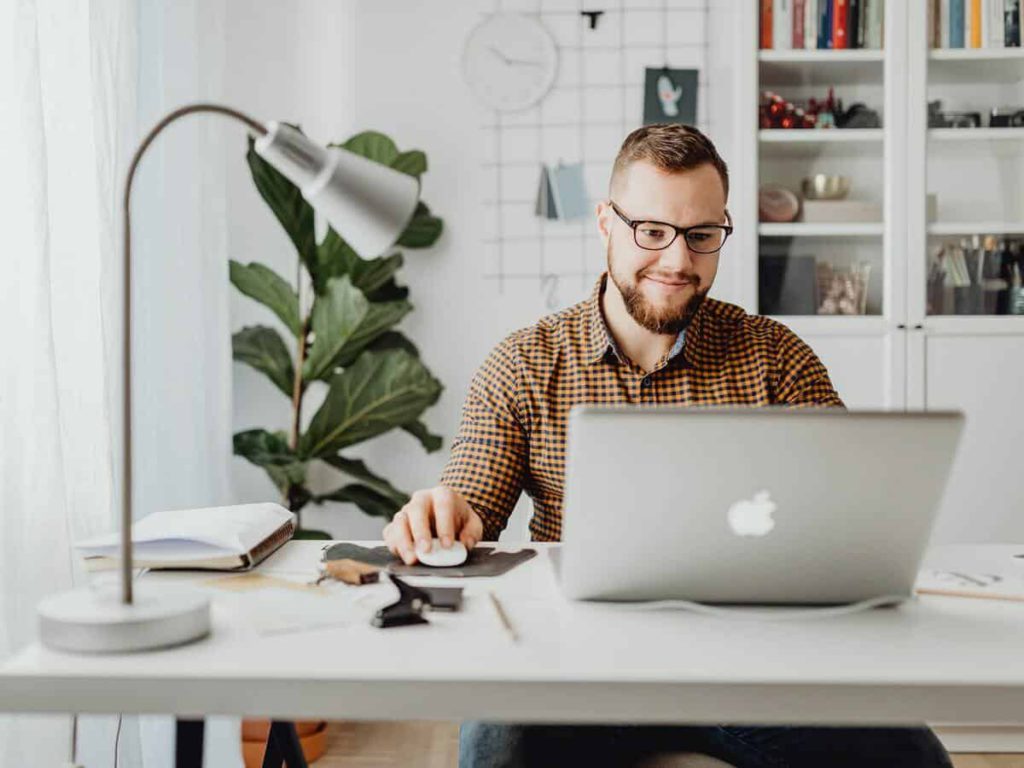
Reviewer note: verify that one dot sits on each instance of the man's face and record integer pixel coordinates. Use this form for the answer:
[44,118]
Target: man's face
[662,289]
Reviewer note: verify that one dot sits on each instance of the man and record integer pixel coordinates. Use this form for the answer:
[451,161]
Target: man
[649,335]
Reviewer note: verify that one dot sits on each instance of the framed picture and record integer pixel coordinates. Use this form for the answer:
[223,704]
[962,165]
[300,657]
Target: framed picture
[670,95]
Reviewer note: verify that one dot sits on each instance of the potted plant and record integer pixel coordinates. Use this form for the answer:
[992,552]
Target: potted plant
[343,343]
[374,379]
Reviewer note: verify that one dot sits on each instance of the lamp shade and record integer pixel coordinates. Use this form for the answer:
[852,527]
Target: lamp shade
[367,203]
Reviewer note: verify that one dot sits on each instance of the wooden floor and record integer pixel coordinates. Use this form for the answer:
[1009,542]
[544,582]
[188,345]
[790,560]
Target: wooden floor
[431,744]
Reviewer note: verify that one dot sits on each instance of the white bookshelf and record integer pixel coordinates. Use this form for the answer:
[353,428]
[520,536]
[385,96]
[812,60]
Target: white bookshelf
[830,57]
[976,54]
[826,136]
[976,228]
[975,134]
[975,326]
[904,357]
[815,229]
[780,156]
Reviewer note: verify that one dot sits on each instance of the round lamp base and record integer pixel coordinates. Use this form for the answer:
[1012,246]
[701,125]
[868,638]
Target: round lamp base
[96,621]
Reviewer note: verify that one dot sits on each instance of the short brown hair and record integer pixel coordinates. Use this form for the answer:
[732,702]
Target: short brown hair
[670,147]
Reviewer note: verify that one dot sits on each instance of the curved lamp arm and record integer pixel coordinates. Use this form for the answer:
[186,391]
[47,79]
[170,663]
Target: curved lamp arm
[126,435]
[366,202]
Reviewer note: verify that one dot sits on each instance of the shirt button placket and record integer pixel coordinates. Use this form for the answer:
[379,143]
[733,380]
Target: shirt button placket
[645,387]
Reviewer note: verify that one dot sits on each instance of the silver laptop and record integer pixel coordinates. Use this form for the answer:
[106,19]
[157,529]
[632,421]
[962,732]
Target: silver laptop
[765,505]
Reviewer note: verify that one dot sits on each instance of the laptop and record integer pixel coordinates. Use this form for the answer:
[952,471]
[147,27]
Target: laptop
[764,506]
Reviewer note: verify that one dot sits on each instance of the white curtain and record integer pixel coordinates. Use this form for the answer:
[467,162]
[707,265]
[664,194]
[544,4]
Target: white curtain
[80,80]
[182,429]
[66,88]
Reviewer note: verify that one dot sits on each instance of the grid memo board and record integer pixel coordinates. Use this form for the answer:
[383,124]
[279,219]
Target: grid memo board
[596,100]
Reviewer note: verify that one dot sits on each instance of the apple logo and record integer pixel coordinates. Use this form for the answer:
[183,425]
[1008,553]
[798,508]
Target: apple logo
[752,517]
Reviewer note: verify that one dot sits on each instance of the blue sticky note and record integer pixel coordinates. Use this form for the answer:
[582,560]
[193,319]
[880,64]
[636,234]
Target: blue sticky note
[569,191]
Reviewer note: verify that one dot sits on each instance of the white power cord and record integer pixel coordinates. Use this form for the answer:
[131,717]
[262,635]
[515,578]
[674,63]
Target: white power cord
[756,614]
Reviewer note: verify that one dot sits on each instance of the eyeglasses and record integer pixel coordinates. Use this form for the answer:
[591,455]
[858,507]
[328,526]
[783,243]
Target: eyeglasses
[659,235]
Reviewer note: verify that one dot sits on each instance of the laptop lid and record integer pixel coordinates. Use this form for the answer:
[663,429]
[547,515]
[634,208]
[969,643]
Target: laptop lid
[743,505]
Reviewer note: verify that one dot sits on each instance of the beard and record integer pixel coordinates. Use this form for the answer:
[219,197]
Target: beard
[668,320]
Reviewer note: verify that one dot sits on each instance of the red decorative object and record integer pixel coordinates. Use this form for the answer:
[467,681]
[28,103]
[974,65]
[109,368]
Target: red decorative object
[777,112]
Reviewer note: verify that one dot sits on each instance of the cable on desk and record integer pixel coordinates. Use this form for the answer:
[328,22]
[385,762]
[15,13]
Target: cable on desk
[754,614]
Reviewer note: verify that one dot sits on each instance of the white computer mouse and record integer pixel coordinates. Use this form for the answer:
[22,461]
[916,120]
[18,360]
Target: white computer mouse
[439,557]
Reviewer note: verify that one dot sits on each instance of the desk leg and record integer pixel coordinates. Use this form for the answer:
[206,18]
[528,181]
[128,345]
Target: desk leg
[188,744]
[283,744]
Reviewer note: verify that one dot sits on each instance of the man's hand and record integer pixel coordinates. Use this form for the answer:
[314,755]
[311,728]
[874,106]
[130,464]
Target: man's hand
[434,513]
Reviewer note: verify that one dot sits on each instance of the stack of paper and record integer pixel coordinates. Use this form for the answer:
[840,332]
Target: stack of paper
[964,584]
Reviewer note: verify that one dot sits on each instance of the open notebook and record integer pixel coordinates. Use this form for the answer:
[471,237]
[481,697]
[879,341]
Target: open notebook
[233,538]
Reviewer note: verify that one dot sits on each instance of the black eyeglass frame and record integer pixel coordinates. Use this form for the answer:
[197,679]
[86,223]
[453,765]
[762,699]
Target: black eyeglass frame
[634,223]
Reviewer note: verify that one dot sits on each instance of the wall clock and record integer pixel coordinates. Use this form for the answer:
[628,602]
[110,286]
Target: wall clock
[510,61]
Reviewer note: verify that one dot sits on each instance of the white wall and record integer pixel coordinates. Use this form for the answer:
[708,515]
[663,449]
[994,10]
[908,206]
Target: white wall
[393,65]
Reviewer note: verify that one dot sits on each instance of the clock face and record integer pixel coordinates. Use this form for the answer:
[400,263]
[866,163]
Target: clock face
[510,61]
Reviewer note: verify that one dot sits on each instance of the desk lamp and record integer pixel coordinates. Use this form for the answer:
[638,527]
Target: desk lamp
[369,205]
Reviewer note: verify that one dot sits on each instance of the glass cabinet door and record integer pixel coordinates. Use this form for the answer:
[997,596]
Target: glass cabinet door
[974,175]
[822,143]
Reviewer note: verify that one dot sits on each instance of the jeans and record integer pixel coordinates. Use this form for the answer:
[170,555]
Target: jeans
[497,745]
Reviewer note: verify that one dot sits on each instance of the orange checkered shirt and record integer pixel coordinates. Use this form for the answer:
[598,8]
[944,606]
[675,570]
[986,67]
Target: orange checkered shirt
[513,431]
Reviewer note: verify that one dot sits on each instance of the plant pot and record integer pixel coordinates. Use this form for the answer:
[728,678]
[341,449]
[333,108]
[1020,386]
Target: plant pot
[312,737]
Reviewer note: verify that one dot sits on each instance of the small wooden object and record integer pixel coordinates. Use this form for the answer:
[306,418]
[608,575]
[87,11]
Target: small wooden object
[352,572]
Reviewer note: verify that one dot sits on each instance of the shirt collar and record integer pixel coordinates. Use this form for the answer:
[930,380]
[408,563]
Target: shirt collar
[599,338]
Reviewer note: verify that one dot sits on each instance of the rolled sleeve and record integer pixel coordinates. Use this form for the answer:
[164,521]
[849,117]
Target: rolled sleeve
[802,379]
[490,454]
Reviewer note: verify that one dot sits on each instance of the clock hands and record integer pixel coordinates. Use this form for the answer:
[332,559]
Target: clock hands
[509,60]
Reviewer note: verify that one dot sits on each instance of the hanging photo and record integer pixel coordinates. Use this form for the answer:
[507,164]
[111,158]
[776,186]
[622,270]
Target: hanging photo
[670,96]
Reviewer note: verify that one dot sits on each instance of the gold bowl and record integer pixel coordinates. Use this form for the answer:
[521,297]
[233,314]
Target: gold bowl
[822,186]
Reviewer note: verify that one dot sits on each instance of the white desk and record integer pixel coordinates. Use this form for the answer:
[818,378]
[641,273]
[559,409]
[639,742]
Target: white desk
[936,660]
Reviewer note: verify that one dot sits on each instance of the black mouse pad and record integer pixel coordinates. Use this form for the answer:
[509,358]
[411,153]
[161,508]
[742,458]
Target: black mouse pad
[482,561]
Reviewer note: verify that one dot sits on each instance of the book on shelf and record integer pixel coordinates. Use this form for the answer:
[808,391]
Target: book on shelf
[799,8]
[825,24]
[822,24]
[840,212]
[944,23]
[991,23]
[853,39]
[876,24]
[974,23]
[766,24]
[840,10]
[956,23]
[782,25]
[811,23]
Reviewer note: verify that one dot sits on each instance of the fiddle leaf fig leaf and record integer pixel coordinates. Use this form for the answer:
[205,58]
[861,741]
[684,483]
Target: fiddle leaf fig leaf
[358,470]
[270,451]
[344,324]
[288,205]
[424,229]
[262,348]
[413,163]
[373,145]
[380,391]
[364,497]
[336,258]
[380,317]
[269,289]
[428,440]
[337,314]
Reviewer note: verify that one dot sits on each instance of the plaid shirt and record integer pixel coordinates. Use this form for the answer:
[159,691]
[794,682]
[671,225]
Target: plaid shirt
[513,428]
